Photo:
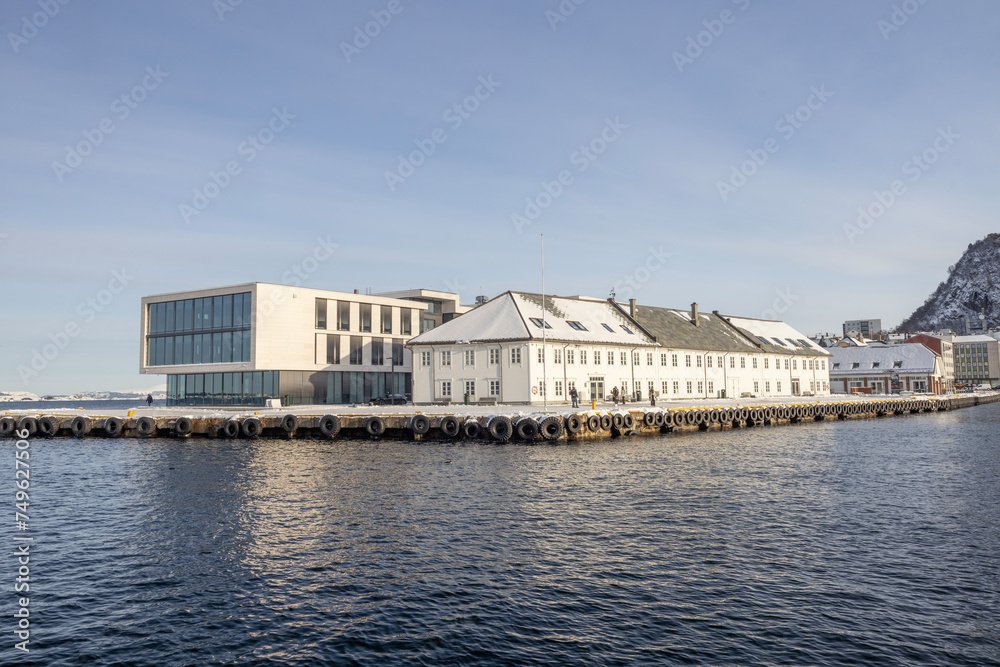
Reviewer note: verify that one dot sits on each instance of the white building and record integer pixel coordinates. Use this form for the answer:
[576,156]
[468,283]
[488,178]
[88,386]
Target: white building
[500,351]
[244,344]
[886,369]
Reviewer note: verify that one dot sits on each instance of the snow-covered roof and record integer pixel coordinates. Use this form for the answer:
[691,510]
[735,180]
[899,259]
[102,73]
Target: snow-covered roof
[519,316]
[776,337]
[910,358]
[973,339]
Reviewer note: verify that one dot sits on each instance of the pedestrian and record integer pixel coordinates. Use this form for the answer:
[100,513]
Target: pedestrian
[575,397]
[614,395]
[652,398]
[149,400]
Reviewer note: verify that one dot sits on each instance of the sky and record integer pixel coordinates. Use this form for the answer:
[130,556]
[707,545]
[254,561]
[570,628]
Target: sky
[806,161]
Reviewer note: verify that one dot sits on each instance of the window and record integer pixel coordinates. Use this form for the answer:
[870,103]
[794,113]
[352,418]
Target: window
[755,362]
[343,316]
[765,363]
[470,387]
[406,320]
[446,388]
[541,387]
[732,362]
[795,364]
[664,387]
[697,360]
[494,357]
[470,358]
[570,354]
[320,313]
[624,358]
[663,358]
[397,351]
[876,364]
[895,364]
[720,362]
[627,330]
[708,360]
[597,357]
[576,325]
[366,317]
[583,356]
[812,365]
[786,364]
[425,358]
[711,387]
[743,362]
[649,358]
[677,387]
[494,387]
[426,325]
[756,387]
[856,365]
[541,355]
[356,347]
[687,360]
[673,359]
[446,358]
[689,386]
[540,323]
[378,351]
[836,365]
[559,388]
[777,386]
[387,319]
[767,386]
[515,355]
[635,358]
[607,327]
[332,349]
[823,364]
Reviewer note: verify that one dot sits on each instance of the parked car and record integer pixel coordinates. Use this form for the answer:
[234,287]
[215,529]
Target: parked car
[391,399]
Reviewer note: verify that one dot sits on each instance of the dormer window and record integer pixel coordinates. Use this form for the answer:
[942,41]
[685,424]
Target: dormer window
[876,364]
[897,364]
[836,365]
[856,365]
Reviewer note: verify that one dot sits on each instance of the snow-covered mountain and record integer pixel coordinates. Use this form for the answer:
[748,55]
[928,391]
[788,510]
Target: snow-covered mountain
[972,289]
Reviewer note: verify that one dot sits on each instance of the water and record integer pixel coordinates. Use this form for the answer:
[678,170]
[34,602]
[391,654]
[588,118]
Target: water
[841,543]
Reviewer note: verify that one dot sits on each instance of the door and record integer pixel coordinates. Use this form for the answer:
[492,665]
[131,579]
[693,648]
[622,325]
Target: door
[597,389]
[795,387]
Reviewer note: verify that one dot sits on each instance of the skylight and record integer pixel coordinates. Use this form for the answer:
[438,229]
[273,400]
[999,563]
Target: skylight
[576,325]
[608,327]
[764,340]
[538,322]
[627,330]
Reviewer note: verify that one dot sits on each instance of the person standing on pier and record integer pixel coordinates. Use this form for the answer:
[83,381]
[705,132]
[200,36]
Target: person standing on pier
[652,398]
[614,395]
[149,400]
[576,397]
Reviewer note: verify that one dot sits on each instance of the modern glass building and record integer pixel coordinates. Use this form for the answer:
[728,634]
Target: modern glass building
[246,344]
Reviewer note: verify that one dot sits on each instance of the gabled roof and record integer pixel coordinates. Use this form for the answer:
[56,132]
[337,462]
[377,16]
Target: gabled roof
[674,329]
[912,358]
[776,337]
[517,315]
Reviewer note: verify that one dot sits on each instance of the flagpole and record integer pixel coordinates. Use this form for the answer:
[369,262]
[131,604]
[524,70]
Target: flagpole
[545,359]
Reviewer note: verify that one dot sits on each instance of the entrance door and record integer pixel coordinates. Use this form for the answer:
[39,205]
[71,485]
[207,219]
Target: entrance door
[796,391]
[597,389]
[734,388]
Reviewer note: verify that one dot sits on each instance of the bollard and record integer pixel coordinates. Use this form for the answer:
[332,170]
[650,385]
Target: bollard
[593,404]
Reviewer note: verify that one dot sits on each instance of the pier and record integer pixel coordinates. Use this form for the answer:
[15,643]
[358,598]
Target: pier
[500,423]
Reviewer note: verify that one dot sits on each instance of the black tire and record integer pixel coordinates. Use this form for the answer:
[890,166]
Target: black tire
[629,421]
[660,419]
[48,426]
[649,419]
[420,424]
[289,423]
[472,430]
[29,424]
[617,421]
[231,428]
[606,422]
[145,426]
[79,427]
[551,428]
[7,427]
[500,428]
[526,429]
[450,426]
[713,417]
[691,417]
[113,427]
[594,423]
[329,425]
[251,427]
[183,426]
[374,426]
[573,424]
[700,417]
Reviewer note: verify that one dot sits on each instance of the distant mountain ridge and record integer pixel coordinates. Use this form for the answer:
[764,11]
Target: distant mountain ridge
[972,289]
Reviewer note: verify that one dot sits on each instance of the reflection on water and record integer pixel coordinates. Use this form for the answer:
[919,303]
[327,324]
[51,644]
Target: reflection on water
[831,543]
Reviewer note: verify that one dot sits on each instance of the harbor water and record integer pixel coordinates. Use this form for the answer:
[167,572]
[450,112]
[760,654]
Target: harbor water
[833,543]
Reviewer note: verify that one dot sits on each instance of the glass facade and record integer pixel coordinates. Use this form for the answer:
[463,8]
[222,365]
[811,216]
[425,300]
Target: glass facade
[209,330]
[292,387]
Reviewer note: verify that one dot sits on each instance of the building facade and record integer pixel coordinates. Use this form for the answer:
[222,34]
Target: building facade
[944,348]
[886,369]
[245,344]
[867,328]
[510,350]
[977,361]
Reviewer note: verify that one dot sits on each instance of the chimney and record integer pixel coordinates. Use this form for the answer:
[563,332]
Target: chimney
[694,315]
[355,291]
[631,308]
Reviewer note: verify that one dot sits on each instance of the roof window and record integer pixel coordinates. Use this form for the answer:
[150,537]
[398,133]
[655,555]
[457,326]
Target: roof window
[538,322]
[576,325]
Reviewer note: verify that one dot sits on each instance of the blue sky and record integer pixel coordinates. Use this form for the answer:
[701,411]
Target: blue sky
[738,137]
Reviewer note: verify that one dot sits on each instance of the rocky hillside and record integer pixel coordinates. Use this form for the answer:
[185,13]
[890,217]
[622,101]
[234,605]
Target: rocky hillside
[972,289]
